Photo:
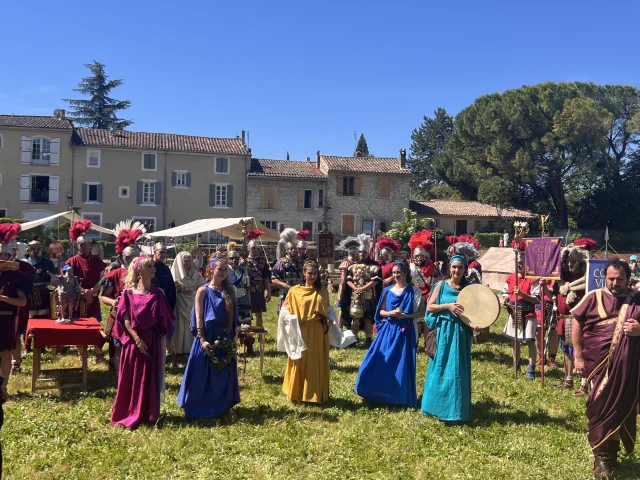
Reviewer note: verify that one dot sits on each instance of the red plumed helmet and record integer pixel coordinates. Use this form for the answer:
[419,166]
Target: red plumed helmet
[390,243]
[253,234]
[126,238]
[9,231]
[519,247]
[469,239]
[78,228]
[421,239]
[587,243]
[303,235]
[452,239]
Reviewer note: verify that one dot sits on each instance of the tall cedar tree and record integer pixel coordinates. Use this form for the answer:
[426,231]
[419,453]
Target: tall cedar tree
[362,146]
[427,142]
[100,111]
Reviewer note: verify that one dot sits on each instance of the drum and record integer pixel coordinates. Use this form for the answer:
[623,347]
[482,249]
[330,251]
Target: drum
[481,306]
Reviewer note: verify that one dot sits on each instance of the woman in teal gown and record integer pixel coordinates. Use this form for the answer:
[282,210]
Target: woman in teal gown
[447,386]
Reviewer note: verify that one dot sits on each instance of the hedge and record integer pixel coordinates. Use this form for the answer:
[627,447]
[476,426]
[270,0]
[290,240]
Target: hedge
[488,239]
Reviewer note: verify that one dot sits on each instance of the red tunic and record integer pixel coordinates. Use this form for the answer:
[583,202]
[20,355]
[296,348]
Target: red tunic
[23,318]
[88,270]
[524,284]
[386,270]
[117,277]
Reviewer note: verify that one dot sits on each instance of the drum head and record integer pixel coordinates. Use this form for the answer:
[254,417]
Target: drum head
[481,306]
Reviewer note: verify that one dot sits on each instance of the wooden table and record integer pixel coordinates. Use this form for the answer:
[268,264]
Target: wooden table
[260,334]
[46,332]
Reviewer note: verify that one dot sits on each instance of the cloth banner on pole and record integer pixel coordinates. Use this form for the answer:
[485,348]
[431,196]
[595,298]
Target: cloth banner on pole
[542,258]
[596,273]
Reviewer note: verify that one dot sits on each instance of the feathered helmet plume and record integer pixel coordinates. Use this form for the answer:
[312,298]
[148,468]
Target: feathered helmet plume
[302,236]
[127,233]
[288,237]
[365,241]
[78,229]
[389,244]
[351,244]
[467,249]
[9,232]
[469,239]
[253,234]
[587,243]
[422,239]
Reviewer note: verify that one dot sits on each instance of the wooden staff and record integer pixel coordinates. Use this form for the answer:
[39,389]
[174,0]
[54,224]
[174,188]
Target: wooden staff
[520,230]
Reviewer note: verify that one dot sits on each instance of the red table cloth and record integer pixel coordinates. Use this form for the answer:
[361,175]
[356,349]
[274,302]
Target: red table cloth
[48,333]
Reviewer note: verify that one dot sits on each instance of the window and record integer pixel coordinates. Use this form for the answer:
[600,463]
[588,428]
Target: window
[308,195]
[148,222]
[348,186]
[3,213]
[384,187]
[93,158]
[383,226]
[367,226]
[123,192]
[149,161]
[96,219]
[271,224]
[308,226]
[1,141]
[477,225]
[434,224]
[181,179]
[222,165]
[40,151]
[348,224]
[221,196]
[39,188]
[92,192]
[321,198]
[268,197]
[149,193]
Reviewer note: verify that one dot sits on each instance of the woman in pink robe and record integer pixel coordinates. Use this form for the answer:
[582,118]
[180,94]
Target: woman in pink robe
[144,318]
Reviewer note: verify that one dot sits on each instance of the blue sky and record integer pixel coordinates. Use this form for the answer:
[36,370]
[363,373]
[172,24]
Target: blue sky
[304,76]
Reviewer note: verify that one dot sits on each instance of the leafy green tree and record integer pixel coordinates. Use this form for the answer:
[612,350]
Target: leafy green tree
[401,231]
[100,110]
[427,142]
[362,146]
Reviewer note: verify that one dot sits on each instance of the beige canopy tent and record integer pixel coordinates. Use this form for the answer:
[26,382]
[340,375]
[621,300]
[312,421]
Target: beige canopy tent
[70,215]
[497,263]
[227,227]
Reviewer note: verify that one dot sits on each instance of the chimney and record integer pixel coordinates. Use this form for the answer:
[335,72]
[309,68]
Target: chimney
[114,131]
[243,133]
[63,113]
[403,158]
[318,159]
[308,159]
[356,154]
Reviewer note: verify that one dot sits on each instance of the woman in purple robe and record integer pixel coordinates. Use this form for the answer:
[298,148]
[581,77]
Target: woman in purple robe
[144,318]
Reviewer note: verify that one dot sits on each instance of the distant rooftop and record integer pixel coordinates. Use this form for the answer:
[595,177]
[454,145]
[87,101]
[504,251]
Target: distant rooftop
[41,122]
[262,167]
[364,164]
[464,208]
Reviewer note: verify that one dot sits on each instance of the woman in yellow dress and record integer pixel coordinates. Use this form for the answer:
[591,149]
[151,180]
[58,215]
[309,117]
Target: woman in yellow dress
[307,379]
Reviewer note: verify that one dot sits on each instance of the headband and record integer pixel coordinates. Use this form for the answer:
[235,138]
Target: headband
[458,258]
[214,260]
[310,263]
[136,266]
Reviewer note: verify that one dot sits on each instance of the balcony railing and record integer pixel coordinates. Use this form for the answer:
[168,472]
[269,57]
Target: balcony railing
[39,196]
[44,160]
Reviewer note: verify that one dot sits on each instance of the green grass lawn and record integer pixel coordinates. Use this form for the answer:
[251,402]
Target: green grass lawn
[519,429]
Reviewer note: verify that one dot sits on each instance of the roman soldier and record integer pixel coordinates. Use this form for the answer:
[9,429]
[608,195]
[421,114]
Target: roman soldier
[88,268]
[259,276]
[39,300]
[469,248]
[387,247]
[239,277]
[363,288]
[350,244]
[287,271]
[302,248]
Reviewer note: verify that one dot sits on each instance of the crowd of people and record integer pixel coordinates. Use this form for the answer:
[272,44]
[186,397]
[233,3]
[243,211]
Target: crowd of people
[197,311]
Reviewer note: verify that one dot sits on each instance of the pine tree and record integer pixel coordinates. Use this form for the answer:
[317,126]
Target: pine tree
[362,146]
[100,110]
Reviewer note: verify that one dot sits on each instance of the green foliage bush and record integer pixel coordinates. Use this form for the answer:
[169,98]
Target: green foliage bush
[488,239]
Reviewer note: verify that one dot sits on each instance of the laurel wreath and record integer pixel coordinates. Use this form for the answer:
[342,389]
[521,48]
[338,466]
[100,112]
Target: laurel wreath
[224,351]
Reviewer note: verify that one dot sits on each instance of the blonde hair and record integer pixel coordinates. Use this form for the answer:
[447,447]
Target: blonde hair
[133,273]
[229,292]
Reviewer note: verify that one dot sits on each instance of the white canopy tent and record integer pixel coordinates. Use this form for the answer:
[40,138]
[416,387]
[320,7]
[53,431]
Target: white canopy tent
[70,215]
[227,227]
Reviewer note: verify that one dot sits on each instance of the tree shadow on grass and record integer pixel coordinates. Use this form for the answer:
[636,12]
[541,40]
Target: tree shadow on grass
[488,412]
[273,379]
[490,356]
[345,368]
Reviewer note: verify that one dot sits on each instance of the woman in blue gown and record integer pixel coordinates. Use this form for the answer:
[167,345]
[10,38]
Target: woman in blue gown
[447,386]
[210,390]
[388,371]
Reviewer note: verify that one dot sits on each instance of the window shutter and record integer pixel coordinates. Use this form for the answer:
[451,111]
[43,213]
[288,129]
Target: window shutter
[85,192]
[174,179]
[188,179]
[264,202]
[212,195]
[339,183]
[384,187]
[54,189]
[25,185]
[229,195]
[54,157]
[99,193]
[356,186]
[25,151]
[300,198]
[348,224]
[139,189]
[158,188]
[274,197]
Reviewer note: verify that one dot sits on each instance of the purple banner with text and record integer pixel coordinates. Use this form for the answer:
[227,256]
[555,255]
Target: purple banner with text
[542,257]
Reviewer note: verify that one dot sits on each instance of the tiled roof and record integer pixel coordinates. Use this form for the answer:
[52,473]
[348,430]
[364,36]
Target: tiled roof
[39,122]
[364,164]
[95,137]
[463,208]
[261,167]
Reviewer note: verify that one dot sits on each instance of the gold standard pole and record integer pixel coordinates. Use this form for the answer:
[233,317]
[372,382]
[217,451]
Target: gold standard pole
[520,230]
[543,219]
